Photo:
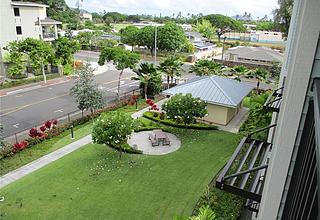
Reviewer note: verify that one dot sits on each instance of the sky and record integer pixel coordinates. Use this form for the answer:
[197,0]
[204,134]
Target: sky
[258,8]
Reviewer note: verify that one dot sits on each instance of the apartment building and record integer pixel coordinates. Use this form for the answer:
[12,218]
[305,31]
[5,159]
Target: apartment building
[256,36]
[19,20]
[280,177]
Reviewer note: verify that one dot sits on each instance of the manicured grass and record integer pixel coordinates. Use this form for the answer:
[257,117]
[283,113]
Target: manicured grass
[28,155]
[91,183]
[25,81]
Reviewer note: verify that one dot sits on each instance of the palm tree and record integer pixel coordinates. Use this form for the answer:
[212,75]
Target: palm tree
[145,73]
[170,67]
[259,74]
[205,213]
[207,68]
[239,71]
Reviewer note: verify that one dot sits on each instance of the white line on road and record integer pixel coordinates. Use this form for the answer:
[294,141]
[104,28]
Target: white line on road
[57,111]
[16,125]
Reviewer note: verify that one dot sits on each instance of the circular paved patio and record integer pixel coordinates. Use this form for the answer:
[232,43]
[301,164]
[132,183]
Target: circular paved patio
[140,141]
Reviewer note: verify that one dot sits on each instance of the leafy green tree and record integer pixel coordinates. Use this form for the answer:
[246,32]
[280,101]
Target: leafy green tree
[239,71]
[206,68]
[258,74]
[185,107]
[265,26]
[89,24]
[40,53]
[88,39]
[170,67]
[121,58]
[171,37]
[85,92]
[16,59]
[147,74]
[101,43]
[64,50]
[113,129]
[205,28]
[116,17]
[282,15]
[146,38]
[130,35]
[224,24]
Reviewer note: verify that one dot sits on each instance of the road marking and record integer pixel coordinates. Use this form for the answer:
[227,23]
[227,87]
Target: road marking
[15,109]
[60,110]
[16,125]
[18,96]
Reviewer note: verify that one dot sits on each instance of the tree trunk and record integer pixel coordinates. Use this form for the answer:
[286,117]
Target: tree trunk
[43,73]
[118,93]
[120,153]
[132,48]
[145,91]
[60,69]
[168,81]
[171,79]
[151,50]
[258,84]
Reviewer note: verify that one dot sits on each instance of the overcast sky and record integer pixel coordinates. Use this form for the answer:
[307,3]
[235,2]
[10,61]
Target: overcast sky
[258,8]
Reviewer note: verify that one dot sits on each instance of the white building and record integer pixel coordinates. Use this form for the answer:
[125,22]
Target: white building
[86,16]
[280,176]
[19,20]
[256,36]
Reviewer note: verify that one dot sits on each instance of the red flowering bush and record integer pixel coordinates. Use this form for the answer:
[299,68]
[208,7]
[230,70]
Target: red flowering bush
[54,122]
[33,132]
[48,124]
[20,146]
[152,105]
[43,128]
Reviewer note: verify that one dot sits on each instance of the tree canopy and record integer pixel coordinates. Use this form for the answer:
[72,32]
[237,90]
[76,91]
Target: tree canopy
[64,49]
[205,28]
[206,68]
[282,15]
[171,37]
[171,67]
[224,24]
[85,91]
[130,35]
[185,107]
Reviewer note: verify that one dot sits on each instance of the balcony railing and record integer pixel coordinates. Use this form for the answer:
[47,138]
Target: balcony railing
[274,101]
[245,171]
[48,35]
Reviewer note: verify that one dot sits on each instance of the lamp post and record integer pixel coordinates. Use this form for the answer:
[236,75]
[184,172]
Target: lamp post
[224,40]
[155,44]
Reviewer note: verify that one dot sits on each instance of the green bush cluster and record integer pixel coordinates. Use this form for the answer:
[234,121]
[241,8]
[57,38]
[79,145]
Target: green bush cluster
[169,122]
[225,205]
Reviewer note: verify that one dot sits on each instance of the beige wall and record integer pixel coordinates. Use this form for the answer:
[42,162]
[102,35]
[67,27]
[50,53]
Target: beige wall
[220,114]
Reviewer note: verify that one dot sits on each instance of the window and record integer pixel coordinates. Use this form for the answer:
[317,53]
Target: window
[19,30]
[16,11]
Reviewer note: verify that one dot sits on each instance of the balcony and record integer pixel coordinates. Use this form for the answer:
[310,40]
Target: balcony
[245,171]
[49,36]
[274,101]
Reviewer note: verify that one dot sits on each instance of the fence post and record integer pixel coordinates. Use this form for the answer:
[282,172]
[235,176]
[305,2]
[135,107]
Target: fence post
[68,117]
[15,134]
[72,134]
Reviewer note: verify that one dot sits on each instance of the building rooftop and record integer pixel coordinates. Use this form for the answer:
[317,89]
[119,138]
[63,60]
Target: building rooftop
[48,21]
[28,4]
[193,34]
[214,90]
[202,44]
[258,53]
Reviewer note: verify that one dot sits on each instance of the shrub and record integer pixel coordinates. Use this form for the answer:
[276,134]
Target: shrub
[6,151]
[167,121]
[20,146]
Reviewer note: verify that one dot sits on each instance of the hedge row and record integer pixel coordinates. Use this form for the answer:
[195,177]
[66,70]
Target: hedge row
[169,122]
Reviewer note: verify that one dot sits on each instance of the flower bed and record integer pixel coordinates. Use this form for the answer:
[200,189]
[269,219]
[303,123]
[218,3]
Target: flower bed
[161,118]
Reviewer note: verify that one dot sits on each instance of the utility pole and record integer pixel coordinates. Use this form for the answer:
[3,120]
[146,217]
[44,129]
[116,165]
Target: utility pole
[155,44]
[224,40]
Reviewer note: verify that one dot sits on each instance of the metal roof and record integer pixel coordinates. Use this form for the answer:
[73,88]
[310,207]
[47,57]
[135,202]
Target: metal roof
[48,21]
[28,4]
[214,89]
[258,53]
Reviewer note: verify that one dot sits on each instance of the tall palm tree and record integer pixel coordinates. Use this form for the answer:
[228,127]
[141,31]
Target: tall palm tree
[239,71]
[259,74]
[171,67]
[145,73]
[207,68]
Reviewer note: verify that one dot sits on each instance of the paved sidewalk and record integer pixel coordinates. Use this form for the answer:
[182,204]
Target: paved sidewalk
[139,114]
[43,161]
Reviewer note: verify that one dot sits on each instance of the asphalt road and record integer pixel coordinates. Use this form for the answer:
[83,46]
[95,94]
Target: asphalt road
[25,109]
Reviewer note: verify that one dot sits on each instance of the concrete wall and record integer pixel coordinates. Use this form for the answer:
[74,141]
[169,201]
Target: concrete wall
[219,114]
[297,68]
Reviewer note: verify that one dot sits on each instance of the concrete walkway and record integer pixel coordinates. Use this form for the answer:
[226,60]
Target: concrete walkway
[43,161]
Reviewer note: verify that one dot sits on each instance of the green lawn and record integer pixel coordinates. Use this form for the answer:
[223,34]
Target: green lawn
[30,154]
[91,183]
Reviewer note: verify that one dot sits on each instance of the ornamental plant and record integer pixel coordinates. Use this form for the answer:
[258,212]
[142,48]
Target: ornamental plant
[113,129]
[20,146]
[185,108]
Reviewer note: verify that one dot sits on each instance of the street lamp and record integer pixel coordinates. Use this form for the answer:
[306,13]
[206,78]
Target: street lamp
[224,40]
[155,44]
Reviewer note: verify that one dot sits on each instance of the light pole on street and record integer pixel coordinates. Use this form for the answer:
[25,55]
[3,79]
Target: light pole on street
[155,44]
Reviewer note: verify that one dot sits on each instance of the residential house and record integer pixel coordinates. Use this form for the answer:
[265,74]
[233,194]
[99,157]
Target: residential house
[19,20]
[256,55]
[85,15]
[279,176]
[223,96]
[194,36]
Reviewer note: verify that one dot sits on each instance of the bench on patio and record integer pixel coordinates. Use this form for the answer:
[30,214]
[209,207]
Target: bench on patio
[154,141]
